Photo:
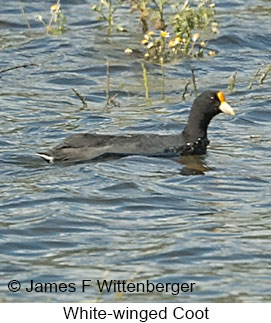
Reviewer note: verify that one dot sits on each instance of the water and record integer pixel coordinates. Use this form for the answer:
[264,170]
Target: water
[203,220]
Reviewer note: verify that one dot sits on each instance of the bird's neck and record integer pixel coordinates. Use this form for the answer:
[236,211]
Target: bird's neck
[196,126]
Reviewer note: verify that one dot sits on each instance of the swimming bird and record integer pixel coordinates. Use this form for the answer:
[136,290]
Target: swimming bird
[192,140]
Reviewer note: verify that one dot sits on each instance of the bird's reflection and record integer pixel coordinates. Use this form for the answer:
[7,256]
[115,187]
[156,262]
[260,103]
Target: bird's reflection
[192,165]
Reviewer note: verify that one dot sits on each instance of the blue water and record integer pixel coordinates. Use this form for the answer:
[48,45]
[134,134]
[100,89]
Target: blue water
[203,220]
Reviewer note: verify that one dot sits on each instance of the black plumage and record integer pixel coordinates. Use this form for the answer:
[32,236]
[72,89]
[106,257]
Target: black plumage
[192,141]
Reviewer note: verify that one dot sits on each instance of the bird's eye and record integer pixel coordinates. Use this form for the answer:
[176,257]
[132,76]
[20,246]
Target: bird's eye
[212,98]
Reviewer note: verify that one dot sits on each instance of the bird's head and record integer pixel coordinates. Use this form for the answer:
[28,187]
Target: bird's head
[205,107]
[212,103]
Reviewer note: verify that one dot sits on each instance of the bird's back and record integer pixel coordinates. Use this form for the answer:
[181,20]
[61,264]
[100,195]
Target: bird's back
[91,146]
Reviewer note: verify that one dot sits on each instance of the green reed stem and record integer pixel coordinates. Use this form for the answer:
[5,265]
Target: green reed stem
[255,76]
[146,83]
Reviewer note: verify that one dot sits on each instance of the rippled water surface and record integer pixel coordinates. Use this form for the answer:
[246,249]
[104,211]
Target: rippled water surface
[204,220]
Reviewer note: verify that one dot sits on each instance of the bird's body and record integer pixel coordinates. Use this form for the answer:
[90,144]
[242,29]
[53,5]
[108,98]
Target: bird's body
[192,141]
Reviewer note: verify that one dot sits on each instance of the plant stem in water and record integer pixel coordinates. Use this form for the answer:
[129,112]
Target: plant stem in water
[255,76]
[146,83]
[107,85]
[194,81]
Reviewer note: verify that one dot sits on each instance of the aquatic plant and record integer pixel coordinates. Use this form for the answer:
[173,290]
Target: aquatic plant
[169,27]
[57,22]
[232,81]
[106,10]
[183,23]
[258,77]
